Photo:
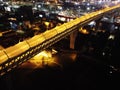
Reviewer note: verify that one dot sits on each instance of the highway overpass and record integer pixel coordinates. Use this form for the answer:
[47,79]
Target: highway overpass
[13,56]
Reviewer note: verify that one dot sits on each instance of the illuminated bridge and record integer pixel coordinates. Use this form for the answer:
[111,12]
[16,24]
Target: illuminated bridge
[13,56]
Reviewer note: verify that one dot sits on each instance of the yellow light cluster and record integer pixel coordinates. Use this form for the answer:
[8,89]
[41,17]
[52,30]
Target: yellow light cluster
[83,31]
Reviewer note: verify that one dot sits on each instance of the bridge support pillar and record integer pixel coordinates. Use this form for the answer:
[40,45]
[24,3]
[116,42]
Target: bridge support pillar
[72,39]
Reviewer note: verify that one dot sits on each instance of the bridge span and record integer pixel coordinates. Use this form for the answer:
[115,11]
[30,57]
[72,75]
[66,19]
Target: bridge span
[13,56]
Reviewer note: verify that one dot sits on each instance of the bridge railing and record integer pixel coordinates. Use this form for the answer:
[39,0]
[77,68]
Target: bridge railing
[13,56]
